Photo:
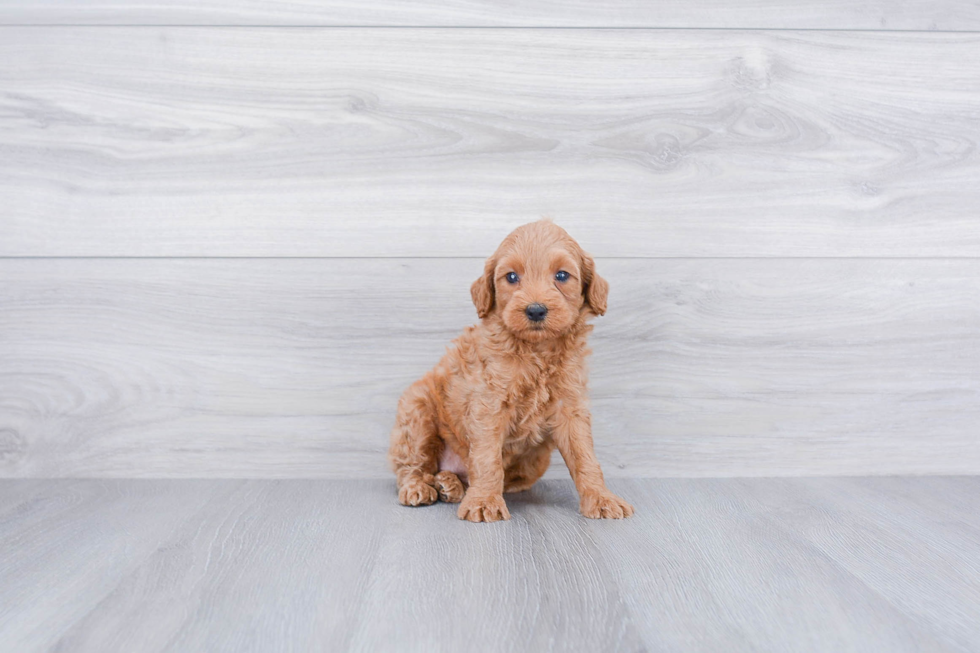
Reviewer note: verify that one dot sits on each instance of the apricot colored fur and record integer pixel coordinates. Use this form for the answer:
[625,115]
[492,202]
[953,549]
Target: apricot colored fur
[509,390]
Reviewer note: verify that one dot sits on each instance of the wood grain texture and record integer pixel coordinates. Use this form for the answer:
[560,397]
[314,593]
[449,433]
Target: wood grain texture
[769,14]
[427,142]
[292,367]
[870,543]
[705,565]
[737,542]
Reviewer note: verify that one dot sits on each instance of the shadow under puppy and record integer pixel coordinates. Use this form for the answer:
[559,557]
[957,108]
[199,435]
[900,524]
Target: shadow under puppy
[511,388]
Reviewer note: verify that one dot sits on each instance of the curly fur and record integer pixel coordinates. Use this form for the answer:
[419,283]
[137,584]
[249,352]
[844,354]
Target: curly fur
[509,390]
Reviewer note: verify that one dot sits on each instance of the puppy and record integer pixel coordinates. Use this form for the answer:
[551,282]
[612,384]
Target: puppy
[511,388]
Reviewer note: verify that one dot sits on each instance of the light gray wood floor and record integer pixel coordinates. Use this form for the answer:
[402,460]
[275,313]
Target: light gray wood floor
[831,564]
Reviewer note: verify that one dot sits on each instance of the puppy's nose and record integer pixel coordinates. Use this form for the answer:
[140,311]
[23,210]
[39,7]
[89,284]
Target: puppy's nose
[536,312]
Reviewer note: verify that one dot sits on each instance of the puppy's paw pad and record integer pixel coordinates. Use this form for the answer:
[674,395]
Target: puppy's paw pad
[604,505]
[449,486]
[477,509]
[417,493]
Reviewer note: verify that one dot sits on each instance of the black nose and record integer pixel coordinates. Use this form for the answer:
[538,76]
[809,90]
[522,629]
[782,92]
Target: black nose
[536,312]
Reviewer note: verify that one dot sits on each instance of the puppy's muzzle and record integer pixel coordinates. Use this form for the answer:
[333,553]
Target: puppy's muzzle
[536,312]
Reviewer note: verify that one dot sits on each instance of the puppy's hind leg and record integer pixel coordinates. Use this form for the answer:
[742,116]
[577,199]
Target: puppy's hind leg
[415,448]
[523,472]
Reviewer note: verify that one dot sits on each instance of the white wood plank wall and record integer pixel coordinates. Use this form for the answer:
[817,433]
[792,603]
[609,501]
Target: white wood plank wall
[232,232]
[945,15]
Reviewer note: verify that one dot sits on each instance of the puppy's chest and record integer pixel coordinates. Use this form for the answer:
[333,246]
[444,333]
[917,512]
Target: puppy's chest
[530,405]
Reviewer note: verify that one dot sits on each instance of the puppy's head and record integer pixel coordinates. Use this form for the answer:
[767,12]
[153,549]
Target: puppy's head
[540,283]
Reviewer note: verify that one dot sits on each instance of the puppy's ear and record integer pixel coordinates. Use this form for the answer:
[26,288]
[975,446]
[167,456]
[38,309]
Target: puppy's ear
[482,289]
[595,288]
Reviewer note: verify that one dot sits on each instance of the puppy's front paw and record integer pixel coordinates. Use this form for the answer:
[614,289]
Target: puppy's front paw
[476,508]
[604,505]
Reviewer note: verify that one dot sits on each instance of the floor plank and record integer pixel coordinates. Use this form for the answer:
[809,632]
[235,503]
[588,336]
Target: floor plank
[871,541]
[67,549]
[768,14]
[705,565]
[281,561]
[737,575]
[387,142]
[285,368]
[536,584]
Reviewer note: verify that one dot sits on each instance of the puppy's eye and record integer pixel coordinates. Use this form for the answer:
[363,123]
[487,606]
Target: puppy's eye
[562,276]
[512,277]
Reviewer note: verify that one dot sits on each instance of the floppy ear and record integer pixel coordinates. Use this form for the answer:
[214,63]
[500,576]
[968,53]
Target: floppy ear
[482,289]
[595,288]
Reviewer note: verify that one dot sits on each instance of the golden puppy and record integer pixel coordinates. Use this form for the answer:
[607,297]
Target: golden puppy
[511,388]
